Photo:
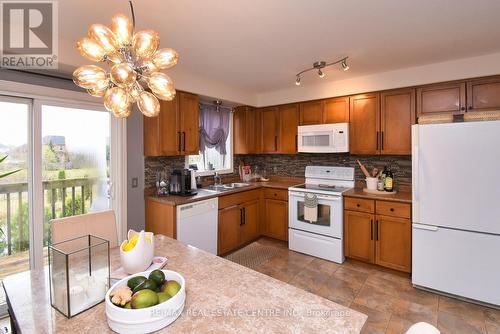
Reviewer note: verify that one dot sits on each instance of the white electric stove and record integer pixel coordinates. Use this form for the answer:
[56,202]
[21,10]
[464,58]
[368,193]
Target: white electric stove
[322,237]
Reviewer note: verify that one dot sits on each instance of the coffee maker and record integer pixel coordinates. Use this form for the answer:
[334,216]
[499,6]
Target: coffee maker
[180,183]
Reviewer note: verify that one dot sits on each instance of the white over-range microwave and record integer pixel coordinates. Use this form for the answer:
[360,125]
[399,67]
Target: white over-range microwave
[323,138]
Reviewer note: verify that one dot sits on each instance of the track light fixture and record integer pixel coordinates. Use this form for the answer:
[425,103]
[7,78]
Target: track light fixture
[319,65]
[297,81]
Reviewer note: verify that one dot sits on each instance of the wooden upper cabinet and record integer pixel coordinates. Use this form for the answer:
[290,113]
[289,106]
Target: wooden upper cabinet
[311,112]
[288,123]
[270,126]
[364,126]
[170,136]
[189,110]
[336,110]
[176,130]
[151,133]
[448,98]
[246,127]
[483,94]
[240,130]
[397,114]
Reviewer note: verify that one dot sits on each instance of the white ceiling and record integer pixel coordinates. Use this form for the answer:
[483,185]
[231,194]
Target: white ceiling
[257,46]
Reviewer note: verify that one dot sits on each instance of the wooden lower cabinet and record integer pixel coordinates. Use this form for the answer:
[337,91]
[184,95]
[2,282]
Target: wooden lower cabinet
[276,219]
[251,219]
[384,240]
[228,235]
[358,234]
[393,242]
[161,218]
[239,220]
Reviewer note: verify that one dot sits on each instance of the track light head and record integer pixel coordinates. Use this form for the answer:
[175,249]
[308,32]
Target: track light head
[297,81]
[345,67]
[320,73]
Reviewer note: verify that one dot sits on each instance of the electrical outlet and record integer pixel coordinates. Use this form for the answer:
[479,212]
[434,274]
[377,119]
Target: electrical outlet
[135,182]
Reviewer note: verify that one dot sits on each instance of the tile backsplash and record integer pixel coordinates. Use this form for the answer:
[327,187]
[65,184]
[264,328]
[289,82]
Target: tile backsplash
[293,165]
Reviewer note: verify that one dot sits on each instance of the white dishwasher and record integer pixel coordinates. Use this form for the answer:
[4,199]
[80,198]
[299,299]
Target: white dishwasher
[197,224]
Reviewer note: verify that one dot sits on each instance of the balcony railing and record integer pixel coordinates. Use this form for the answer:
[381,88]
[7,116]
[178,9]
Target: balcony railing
[61,198]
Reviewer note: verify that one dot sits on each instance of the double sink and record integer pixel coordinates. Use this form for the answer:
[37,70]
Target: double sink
[217,189]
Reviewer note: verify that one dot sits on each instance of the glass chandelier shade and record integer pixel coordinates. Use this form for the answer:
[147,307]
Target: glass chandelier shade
[134,62]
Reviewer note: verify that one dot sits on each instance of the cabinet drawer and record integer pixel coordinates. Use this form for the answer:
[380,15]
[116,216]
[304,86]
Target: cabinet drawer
[393,209]
[278,194]
[238,198]
[359,204]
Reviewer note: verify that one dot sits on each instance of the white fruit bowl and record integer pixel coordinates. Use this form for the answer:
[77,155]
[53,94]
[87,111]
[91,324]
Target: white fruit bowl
[140,257]
[150,319]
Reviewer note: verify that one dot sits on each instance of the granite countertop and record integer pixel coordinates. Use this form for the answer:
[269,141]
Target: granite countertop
[281,183]
[222,297]
[402,195]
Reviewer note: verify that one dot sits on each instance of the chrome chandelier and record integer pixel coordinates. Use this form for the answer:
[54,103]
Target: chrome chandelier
[319,65]
[133,59]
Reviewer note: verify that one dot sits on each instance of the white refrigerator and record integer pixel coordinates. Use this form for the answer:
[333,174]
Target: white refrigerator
[456,209]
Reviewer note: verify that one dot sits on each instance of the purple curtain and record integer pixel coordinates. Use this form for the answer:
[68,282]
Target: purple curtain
[214,127]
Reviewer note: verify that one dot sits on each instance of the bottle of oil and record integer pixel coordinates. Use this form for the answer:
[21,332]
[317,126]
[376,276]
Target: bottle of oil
[389,180]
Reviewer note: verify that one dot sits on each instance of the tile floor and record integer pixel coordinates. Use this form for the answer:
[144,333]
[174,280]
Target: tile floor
[387,297]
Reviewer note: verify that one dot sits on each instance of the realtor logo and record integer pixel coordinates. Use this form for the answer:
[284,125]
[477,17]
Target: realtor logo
[29,34]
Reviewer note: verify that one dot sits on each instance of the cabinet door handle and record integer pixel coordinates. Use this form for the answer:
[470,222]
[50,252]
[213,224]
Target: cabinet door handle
[183,141]
[382,140]
[376,230]
[378,140]
[179,143]
[244,216]
[371,229]
[462,108]
[275,143]
[241,216]
[296,143]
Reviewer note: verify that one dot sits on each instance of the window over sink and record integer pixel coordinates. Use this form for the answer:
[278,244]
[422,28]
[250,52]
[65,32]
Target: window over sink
[216,141]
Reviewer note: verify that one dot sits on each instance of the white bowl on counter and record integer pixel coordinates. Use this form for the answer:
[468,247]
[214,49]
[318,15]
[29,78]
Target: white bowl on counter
[150,319]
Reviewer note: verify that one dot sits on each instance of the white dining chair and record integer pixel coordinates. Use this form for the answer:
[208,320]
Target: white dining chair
[100,224]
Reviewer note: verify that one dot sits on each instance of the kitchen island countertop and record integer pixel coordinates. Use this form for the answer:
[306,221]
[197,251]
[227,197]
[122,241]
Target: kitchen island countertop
[222,297]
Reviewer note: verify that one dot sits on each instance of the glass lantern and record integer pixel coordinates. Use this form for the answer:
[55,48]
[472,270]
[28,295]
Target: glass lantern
[78,274]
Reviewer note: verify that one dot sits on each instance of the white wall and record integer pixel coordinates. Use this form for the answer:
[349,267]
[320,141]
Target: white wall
[135,168]
[437,72]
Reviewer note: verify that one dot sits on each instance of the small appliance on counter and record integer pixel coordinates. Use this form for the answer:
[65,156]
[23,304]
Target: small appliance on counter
[180,183]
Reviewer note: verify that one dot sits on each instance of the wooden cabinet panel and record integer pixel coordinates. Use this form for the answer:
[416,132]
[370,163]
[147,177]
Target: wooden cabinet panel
[270,124]
[394,209]
[238,198]
[359,204]
[288,123]
[311,112]
[170,135]
[250,227]
[160,218]
[446,98]
[393,243]
[358,236]
[276,219]
[279,194]
[483,94]
[189,122]
[151,133]
[364,124]
[254,130]
[240,134]
[336,110]
[229,229]
[397,114]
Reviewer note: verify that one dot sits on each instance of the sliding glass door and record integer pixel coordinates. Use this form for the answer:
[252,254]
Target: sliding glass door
[63,154]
